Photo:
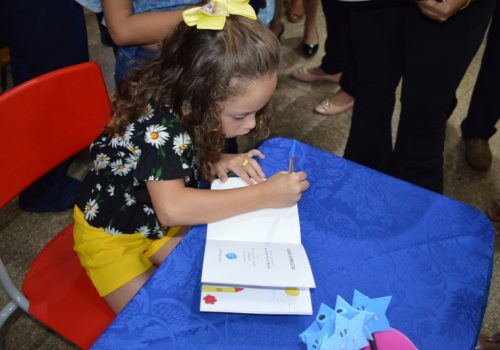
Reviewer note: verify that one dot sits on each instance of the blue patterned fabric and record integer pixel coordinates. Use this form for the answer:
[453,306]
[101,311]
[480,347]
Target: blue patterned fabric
[362,230]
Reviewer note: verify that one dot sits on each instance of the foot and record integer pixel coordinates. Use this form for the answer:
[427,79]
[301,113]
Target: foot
[478,154]
[315,74]
[494,215]
[309,50]
[310,43]
[277,28]
[296,11]
[338,103]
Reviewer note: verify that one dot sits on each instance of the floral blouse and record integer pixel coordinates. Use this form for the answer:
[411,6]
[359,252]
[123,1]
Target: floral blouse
[113,195]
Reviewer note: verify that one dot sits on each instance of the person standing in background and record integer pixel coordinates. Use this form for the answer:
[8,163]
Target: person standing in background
[484,109]
[44,36]
[429,45]
[338,64]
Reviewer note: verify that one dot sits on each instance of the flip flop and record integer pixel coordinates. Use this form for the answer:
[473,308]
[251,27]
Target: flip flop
[295,12]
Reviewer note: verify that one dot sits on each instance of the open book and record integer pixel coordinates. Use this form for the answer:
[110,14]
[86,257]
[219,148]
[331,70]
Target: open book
[255,262]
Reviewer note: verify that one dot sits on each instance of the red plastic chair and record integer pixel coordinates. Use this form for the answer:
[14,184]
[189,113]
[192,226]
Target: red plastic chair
[45,121]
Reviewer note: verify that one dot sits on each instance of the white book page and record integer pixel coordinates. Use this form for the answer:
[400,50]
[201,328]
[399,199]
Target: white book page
[256,264]
[265,225]
[277,301]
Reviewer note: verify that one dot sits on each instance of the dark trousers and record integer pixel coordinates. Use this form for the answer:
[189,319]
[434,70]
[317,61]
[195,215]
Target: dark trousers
[393,42]
[484,109]
[339,56]
[44,36]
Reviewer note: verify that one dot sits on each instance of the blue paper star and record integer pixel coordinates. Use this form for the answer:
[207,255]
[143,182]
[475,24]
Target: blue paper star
[376,305]
[348,334]
[321,329]
[344,308]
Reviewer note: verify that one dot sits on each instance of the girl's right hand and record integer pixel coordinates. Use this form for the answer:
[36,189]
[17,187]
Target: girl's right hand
[285,189]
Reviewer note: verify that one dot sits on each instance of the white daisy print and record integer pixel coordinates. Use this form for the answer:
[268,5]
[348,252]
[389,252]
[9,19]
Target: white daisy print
[135,182]
[136,151]
[132,161]
[101,161]
[116,141]
[158,230]
[144,230]
[156,135]
[129,200]
[91,209]
[148,114]
[111,190]
[98,186]
[185,166]
[112,230]
[181,142]
[148,210]
[118,168]
[152,178]
[129,131]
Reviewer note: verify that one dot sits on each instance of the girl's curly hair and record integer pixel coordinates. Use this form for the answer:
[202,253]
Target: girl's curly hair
[193,75]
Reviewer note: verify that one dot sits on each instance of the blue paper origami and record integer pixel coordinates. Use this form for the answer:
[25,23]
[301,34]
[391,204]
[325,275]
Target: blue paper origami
[347,327]
[321,329]
[378,306]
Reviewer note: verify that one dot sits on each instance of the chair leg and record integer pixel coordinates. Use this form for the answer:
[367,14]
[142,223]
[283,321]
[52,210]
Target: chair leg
[6,312]
[16,296]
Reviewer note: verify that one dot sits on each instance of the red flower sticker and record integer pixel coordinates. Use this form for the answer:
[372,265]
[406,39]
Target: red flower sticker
[210,299]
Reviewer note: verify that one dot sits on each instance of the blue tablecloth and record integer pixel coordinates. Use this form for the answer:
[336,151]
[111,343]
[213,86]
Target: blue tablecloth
[362,230]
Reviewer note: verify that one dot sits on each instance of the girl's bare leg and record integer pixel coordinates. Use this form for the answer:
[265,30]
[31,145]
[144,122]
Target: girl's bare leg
[162,253]
[120,297]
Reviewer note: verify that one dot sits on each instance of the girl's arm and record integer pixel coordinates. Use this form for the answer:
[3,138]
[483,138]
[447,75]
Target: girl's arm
[177,205]
[127,28]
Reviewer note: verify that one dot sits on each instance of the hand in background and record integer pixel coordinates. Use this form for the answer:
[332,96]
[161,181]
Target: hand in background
[440,11]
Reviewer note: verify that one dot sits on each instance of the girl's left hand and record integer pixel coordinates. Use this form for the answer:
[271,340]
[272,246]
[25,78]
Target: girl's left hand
[242,165]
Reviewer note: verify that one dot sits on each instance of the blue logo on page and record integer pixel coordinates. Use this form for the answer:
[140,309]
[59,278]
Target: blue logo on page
[231,256]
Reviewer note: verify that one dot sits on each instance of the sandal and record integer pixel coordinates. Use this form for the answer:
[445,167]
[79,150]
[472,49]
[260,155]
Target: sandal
[315,74]
[295,12]
[494,215]
[328,107]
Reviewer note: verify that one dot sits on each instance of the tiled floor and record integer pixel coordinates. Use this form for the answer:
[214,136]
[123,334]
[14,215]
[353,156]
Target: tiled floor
[293,117]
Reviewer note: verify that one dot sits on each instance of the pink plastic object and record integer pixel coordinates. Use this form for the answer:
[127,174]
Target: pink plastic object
[392,340]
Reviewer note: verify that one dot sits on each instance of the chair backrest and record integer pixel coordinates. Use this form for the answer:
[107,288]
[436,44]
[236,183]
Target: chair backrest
[46,120]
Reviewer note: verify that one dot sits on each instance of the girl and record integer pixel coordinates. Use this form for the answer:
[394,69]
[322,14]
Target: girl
[168,128]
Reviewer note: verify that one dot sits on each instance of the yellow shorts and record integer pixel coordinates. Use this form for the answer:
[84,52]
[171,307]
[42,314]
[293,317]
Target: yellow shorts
[113,260]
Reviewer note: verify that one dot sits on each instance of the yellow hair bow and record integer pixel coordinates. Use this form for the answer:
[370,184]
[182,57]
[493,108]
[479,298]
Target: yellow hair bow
[213,14]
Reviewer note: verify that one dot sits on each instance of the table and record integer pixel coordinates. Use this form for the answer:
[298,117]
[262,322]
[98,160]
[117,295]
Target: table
[362,230]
